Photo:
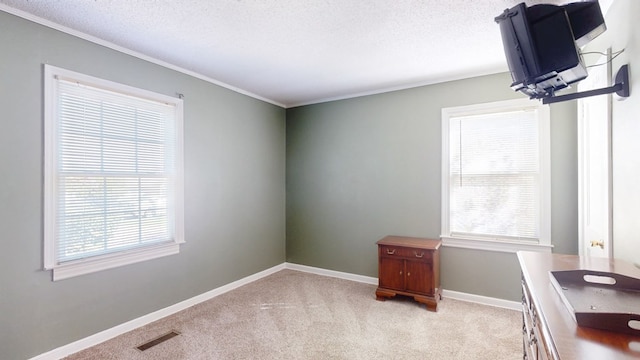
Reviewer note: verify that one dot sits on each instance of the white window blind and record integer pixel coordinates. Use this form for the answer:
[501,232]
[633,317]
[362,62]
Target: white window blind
[114,172]
[495,173]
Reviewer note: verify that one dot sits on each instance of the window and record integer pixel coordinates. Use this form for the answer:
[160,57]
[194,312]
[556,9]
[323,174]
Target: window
[113,174]
[495,176]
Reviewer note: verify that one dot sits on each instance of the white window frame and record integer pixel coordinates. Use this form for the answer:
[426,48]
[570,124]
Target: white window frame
[543,243]
[63,270]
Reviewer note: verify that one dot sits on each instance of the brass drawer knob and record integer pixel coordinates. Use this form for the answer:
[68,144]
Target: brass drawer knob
[391,252]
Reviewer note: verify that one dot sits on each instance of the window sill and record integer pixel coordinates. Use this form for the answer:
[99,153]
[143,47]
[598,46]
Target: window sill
[493,245]
[90,265]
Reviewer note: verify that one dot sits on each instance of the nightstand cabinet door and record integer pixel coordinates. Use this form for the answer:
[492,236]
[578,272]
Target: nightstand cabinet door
[393,275]
[419,277]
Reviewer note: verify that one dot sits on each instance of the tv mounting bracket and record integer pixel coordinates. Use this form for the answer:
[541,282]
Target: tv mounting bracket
[621,88]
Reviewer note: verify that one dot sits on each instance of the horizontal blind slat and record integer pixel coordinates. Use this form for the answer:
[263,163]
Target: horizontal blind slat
[123,146]
[494,174]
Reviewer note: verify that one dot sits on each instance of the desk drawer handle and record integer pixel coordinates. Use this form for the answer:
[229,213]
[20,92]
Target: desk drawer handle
[391,252]
[419,256]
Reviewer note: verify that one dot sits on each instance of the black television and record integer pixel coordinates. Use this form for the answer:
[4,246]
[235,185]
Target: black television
[541,44]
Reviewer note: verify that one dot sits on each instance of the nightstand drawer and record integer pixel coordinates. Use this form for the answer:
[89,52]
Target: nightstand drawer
[411,253]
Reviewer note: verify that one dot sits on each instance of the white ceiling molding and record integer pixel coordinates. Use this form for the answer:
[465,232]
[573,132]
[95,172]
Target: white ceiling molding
[290,52]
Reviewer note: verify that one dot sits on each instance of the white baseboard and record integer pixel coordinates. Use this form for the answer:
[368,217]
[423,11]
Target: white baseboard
[105,335]
[483,300]
[333,273]
[479,299]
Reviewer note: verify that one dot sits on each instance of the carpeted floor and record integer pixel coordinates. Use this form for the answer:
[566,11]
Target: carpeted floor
[296,315]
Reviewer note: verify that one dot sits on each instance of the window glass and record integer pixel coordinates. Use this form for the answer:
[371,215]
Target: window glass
[495,172]
[113,173]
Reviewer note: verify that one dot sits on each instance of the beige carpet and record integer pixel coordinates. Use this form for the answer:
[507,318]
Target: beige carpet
[296,315]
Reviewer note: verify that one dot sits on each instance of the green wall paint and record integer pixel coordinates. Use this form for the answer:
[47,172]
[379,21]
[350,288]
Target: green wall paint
[356,170]
[234,195]
[363,168]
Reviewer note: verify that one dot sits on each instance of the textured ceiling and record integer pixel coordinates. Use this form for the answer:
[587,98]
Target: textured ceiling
[294,52]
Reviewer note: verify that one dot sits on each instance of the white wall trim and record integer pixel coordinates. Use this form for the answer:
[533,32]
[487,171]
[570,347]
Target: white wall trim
[498,246]
[456,295]
[333,273]
[110,45]
[105,335]
[445,77]
[117,330]
[482,300]
[488,70]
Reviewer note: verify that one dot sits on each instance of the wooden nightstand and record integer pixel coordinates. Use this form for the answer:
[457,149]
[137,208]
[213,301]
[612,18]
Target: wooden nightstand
[409,266]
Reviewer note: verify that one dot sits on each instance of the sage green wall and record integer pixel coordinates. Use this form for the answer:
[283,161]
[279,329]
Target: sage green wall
[363,168]
[234,195]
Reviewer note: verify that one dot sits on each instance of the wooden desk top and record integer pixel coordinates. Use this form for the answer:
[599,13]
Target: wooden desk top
[568,340]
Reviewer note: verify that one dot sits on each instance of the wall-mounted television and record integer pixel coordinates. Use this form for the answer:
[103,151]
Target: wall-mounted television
[541,44]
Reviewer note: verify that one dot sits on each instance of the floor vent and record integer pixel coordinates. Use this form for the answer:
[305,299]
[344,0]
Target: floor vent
[158,340]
